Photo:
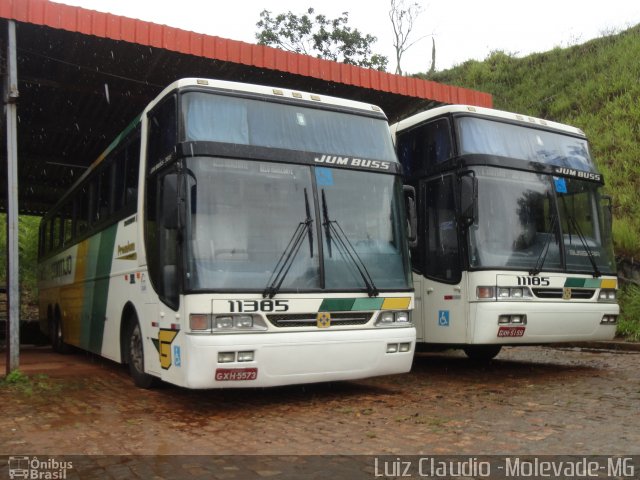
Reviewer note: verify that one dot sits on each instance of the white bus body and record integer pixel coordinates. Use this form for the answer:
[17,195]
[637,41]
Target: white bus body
[248,259]
[514,241]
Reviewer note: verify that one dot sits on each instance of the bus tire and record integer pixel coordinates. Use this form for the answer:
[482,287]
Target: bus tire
[55,333]
[482,353]
[135,358]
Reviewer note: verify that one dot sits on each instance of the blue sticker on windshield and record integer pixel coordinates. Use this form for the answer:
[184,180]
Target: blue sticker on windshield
[561,185]
[324,177]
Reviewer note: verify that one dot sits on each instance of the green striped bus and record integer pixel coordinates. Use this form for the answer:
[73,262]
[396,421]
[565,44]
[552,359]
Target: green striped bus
[236,235]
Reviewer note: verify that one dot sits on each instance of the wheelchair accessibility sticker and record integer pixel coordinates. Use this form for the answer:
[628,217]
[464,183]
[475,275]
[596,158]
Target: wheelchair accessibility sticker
[443,318]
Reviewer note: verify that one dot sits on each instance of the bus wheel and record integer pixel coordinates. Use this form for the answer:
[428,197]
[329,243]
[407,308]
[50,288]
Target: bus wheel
[55,333]
[135,358]
[482,353]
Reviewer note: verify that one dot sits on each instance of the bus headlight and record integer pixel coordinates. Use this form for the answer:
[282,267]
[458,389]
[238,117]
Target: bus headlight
[386,317]
[238,323]
[607,295]
[243,321]
[224,323]
[393,319]
[204,323]
[513,293]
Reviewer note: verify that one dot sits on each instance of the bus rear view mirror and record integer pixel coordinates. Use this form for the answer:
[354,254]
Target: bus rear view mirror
[169,207]
[410,201]
[468,199]
[607,211]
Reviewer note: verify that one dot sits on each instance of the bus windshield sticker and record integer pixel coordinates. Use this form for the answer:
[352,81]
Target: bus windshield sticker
[561,185]
[324,177]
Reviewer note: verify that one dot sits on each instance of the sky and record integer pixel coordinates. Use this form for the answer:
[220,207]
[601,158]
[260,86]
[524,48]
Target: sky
[462,29]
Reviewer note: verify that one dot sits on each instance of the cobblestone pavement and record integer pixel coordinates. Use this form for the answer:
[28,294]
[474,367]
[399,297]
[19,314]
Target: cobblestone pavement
[530,400]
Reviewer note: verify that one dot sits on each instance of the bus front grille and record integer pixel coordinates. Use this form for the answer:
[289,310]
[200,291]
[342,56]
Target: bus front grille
[557,293]
[310,320]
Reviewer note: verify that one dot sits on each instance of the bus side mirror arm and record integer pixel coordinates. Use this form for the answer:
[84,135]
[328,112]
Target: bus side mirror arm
[468,199]
[608,212]
[410,199]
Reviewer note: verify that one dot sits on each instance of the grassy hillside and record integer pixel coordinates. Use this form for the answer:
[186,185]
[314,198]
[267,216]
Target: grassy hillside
[594,86]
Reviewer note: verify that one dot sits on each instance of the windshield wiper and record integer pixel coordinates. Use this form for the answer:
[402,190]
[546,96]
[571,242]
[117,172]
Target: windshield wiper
[285,261]
[333,230]
[545,248]
[572,222]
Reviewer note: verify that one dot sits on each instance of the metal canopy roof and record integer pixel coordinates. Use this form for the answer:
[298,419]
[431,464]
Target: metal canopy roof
[84,75]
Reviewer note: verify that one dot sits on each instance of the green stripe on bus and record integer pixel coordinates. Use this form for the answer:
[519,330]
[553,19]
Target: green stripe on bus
[368,304]
[98,270]
[350,304]
[592,283]
[583,282]
[337,304]
[574,282]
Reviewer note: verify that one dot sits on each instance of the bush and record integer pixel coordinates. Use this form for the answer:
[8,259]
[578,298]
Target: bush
[629,320]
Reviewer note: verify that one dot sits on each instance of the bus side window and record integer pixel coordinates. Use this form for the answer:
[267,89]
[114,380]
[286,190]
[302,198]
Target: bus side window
[443,260]
[57,232]
[82,210]
[132,168]
[437,142]
[103,209]
[67,226]
[425,146]
[161,231]
[118,180]
[162,132]
[161,194]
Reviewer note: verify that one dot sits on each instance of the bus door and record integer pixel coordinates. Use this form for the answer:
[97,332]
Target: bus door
[442,287]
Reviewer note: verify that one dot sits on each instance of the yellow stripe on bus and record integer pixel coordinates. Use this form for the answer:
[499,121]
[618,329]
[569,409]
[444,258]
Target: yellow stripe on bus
[74,298]
[399,303]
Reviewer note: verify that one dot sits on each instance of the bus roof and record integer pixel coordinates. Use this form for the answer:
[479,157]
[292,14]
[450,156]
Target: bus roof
[525,120]
[276,92]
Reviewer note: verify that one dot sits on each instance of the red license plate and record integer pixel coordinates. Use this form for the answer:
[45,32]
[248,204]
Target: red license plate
[235,374]
[511,331]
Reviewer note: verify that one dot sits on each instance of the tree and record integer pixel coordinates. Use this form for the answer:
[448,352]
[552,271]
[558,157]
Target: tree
[402,19]
[432,69]
[315,34]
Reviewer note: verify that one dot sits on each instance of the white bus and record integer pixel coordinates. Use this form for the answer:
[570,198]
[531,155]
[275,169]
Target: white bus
[514,235]
[236,235]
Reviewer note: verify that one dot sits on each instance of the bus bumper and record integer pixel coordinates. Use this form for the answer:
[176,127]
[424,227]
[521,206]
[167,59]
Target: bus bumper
[294,357]
[548,322]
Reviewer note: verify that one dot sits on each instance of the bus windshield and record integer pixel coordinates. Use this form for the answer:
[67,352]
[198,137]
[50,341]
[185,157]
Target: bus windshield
[260,123]
[483,136]
[529,221]
[244,215]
